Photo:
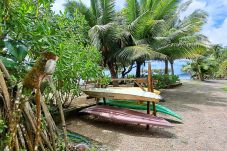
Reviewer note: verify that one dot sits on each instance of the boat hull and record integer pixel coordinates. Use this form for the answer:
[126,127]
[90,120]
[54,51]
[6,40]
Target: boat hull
[143,106]
[122,94]
[126,115]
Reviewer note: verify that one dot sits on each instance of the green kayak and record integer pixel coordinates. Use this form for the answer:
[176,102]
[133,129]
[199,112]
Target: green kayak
[132,105]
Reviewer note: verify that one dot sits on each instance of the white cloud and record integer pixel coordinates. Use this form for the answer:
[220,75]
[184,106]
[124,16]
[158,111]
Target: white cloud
[216,27]
[192,7]
[58,6]
[217,35]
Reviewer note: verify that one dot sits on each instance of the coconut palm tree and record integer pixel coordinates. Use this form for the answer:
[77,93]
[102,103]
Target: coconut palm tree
[162,31]
[143,19]
[180,38]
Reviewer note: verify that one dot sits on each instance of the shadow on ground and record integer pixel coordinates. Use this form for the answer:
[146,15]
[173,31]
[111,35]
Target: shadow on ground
[181,98]
[129,129]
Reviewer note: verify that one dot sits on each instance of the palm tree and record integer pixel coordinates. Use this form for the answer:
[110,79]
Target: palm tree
[179,38]
[143,19]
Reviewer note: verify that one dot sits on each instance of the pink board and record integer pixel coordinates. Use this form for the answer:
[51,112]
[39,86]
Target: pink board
[126,115]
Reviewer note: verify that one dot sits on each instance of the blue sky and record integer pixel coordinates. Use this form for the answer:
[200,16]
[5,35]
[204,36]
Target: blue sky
[215,28]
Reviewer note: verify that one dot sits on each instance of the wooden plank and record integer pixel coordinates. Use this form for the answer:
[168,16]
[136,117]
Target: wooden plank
[140,86]
[139,80]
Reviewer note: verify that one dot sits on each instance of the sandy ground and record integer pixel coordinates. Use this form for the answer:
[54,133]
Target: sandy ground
[203,106]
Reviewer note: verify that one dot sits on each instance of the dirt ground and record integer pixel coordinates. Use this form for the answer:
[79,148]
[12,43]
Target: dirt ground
[203,106]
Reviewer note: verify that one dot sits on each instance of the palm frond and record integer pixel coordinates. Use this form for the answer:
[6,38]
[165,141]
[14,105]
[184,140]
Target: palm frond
[184,6]
[107,11]
[195,21]
[144,52]
[183,50]
[152,4]
[163,8]
[132,10]
[141,25]
[95,9]
[143,5]
[103,35]
[157,28]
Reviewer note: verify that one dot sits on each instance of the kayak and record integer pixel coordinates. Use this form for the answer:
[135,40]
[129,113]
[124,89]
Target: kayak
[134,88]
[126,115]
[133,105]
[122,94]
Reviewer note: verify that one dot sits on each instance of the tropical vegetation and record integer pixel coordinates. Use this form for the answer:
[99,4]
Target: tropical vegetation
[210,65]
[44,57]
[141,31]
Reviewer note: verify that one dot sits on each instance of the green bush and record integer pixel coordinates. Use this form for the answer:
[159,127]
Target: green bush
[2,126]
[164,80]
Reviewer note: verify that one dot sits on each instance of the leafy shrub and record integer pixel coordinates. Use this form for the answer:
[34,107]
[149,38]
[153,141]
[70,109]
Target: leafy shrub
[164,80]
[2,126]
[104,80]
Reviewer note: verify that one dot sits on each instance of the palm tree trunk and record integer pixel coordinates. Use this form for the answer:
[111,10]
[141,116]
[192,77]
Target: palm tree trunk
[113,73]
[138,68]
[200,74]
[172,69]
[166,67]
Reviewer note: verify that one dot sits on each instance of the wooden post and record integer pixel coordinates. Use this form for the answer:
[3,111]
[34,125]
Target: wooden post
[104,101]
[150,89]
[151,86]
[148,112]
[150,80]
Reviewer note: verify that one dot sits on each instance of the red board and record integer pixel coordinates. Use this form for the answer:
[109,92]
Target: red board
[126,115]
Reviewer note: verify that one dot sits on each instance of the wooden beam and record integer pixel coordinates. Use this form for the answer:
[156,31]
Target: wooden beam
[149,79]
[104,101]
[140,80]
[139,85]
[148,112]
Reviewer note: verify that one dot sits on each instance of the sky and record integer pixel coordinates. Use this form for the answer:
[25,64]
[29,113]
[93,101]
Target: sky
[215,28]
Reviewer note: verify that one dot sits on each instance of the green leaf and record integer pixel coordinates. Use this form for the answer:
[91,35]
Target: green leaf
[8,62]
[22,52]
[17,50]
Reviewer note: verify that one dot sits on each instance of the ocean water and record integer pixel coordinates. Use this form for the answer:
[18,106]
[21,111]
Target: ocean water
[178,64]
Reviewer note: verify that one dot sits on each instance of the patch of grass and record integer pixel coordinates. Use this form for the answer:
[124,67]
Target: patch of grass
[224,89]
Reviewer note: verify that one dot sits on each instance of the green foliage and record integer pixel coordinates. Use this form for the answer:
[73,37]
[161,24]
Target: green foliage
[76,62]
[104,80]
[3,126]
[165,80]
[33,28]
[224,89]
[13,57]
[223,68]
[27,29]
[202,67]
[212,64]
[132,10]
[130,76]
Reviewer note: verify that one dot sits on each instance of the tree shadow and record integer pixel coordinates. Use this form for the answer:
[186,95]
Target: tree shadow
[182,99]
[129,129]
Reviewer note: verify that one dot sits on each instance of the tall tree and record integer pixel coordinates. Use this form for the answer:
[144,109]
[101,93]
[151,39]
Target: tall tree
[143,20]
[180,38]
[103,35]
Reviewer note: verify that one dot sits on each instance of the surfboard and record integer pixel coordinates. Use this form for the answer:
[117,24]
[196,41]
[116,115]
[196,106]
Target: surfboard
[126,115]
